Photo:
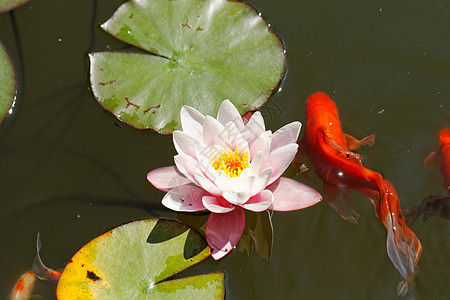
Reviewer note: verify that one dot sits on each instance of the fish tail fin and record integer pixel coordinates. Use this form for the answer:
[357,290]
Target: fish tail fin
[39,269]
[355,144]
[341,201]
[403,247]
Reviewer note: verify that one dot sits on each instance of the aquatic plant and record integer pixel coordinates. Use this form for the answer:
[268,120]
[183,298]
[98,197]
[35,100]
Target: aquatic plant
[197,53]
[8,83]
[226,166]
[133,261]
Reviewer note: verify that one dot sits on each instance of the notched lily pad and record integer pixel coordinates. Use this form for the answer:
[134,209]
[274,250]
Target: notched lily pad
[8,83]
[7,5]
[200,52]
[133,261]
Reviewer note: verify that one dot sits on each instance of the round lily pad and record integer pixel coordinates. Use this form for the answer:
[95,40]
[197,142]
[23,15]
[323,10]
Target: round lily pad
[133,261]
[198,53]
[8,83]
[7,5]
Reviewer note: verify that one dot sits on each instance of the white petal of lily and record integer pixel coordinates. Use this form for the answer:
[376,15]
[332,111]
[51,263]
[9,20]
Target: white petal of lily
[217,204]
[232,138]
[237,198]
[186,197]
[167,178]
[207,184]
[192,122]
[212,129]
[262,143]
[205,158]
[255,166]
[229,113]
[186,165]
[280,159]
[287,134]
[261,181]
[259,202]
[254,128]
[184,143]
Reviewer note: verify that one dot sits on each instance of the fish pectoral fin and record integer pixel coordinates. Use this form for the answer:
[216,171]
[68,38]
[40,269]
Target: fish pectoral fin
[340,200]
[354,144]
[432,160]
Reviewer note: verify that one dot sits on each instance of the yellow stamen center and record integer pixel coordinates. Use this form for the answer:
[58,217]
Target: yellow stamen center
[231,162]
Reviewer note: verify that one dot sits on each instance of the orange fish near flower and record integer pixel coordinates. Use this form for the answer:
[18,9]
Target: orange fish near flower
[442,157]
[330,153]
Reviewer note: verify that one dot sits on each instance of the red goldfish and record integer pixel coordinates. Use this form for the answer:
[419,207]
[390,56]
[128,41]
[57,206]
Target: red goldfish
[24,286]
[330,153]
[442,157]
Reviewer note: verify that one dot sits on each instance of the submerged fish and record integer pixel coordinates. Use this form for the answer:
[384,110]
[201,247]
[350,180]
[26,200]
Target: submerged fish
[431,206]
[442,157]
[23,287]
[40,270]
[330,153]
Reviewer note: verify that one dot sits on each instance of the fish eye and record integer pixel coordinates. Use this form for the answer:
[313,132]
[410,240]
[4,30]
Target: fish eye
[348,155]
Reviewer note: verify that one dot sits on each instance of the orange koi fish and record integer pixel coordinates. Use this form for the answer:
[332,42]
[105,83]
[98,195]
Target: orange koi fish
[40,270]
[442,157]
[24,286]
[330,153]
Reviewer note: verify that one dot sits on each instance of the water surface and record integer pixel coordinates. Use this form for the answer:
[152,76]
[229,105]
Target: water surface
[68,171]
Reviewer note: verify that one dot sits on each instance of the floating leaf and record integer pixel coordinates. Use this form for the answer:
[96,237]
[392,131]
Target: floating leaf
[130,261]
[7,5]
[8,83]
[205,51]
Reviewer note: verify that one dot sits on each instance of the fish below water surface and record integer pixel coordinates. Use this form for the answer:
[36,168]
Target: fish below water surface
[431,206]
[24,286]
[330,153]
[442,157]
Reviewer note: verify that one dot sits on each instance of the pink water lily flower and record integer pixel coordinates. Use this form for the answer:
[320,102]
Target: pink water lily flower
[225,166]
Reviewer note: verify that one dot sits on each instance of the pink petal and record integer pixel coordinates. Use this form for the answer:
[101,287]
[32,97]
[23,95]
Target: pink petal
[229,113]
[280,159]
[192,122]
[223,231]
[290,195]
[259,202]
[217,204]
[186,197]
[184,143]
[166,178]
[287,134]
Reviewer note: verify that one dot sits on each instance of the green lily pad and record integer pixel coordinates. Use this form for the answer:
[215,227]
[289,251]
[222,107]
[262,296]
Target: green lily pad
[7,5]
[200,52]
[133,261]
[8,83]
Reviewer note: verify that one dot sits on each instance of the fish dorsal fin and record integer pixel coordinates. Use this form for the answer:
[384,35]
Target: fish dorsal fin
[341,153]
[354,144]
[432,160]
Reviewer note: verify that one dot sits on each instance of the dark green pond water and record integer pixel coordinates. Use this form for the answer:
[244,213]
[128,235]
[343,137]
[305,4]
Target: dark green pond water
[68,171]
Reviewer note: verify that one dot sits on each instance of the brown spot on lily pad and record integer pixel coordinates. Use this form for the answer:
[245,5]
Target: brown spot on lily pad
[92,276]
[106,83]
